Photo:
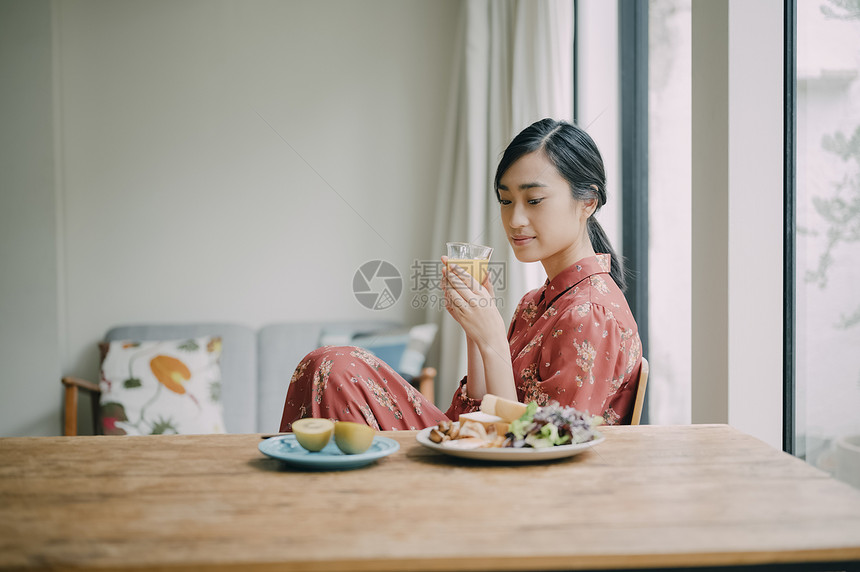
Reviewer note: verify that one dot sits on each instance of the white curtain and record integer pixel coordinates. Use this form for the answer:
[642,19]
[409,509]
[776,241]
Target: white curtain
[514,66]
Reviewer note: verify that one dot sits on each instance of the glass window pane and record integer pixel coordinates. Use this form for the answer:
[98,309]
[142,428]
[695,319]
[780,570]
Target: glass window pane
[669,188]
[828,231]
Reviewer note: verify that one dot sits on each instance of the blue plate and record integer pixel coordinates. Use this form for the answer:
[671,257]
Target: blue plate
[285,448]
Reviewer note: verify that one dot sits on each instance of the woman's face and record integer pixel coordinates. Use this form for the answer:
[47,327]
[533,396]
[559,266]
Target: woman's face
[541,218]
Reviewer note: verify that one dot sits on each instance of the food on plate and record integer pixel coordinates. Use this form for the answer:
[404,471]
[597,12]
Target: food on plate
[484,419]
[468,434]
[312,433]
[471,430]
[505,408]
[444,431]
[552,425]
[353,438]
[536,427]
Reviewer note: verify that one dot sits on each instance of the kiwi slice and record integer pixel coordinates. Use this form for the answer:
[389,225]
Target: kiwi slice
[353,438]
[313,434]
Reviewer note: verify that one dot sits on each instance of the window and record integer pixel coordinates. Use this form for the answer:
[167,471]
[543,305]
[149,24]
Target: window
[827,276]
[669,183]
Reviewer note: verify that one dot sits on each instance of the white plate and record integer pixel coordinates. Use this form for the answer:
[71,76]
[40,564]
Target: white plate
[524,455]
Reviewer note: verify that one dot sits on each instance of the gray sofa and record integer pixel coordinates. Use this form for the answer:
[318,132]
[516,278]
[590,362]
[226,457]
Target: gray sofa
[256,365]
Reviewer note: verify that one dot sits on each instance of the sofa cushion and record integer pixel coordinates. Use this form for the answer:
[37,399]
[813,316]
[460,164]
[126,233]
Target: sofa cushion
[238,364]
[404,349]
[161,387]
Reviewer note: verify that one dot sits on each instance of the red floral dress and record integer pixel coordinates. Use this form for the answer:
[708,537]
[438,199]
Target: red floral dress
[574,341]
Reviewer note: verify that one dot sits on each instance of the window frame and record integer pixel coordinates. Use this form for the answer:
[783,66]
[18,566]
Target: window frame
[633,68]
[789,423]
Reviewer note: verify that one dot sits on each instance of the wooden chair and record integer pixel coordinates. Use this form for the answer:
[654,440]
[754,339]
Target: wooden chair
[426,383]
[640,393]
[73,386]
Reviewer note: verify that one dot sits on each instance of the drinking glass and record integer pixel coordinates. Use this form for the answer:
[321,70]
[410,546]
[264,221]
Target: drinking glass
[473,258]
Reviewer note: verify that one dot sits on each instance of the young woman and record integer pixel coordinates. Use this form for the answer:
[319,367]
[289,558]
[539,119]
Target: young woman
[573,340]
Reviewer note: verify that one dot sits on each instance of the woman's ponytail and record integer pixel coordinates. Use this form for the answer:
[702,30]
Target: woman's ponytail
[600,243]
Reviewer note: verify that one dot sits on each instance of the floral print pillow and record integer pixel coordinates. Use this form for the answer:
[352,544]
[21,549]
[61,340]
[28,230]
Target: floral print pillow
[154,388]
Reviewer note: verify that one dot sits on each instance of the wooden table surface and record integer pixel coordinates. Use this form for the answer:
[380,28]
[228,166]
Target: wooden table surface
[649,496]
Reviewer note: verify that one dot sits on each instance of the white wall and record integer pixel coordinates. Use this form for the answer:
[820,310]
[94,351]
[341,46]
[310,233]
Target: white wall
[235,161]
[756,218]
[29,345]
[737,215]
[710,218]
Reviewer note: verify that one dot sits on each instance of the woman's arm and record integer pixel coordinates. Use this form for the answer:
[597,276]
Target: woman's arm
[476,386]
[498,369]
[489,355]
[490,361]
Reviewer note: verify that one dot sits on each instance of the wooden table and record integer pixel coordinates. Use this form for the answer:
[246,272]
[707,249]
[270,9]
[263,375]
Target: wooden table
[702,495]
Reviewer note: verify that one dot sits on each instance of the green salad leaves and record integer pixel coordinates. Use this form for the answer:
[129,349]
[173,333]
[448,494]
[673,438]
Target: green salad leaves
[552,425]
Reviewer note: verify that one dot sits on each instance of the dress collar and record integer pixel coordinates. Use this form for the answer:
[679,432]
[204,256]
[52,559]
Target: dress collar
[573,275]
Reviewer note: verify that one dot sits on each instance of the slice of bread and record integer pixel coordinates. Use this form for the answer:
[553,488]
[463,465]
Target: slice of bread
[505,408]
[502,428]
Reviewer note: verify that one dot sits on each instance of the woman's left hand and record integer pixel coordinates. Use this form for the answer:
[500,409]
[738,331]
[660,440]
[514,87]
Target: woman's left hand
[471,304]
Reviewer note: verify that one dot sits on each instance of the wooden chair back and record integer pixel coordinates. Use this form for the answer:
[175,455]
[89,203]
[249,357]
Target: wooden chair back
[640,393]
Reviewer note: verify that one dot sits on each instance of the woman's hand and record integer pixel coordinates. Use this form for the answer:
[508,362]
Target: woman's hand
[470,303]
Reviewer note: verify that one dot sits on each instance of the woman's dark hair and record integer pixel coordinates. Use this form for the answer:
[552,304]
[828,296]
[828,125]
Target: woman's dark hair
[577,159]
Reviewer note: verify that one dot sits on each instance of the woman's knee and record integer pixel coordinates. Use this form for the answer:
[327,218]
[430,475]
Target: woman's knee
[325,358]
[329,352]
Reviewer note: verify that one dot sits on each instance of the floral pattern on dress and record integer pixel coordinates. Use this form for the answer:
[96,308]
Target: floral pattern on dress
[615,384]
[321,379]
[587,354]
[583,309]
[604,261]
[414,398]
[383,397]
[300,370]
[535,341]
[366,357]
[600,284]
[610,417]
[530,312]
[531,387]
[350,384]
[462,402]
[369,417]
[634,354]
